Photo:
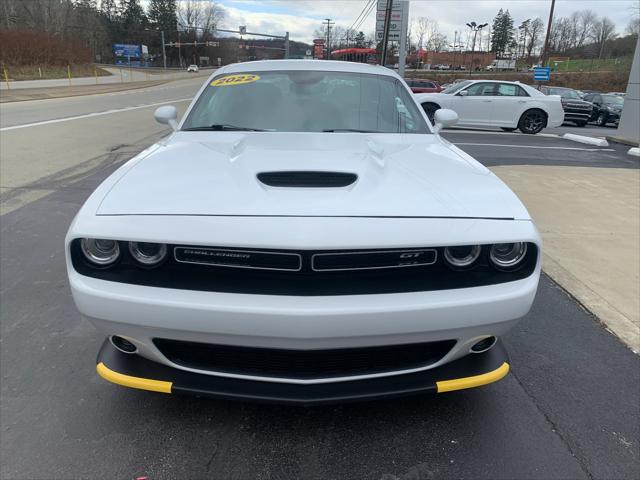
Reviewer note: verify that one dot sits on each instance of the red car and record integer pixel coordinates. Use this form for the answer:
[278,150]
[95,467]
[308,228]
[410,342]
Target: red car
[419,85]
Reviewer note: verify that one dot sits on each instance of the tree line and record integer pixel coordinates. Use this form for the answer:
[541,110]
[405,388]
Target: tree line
[96,25]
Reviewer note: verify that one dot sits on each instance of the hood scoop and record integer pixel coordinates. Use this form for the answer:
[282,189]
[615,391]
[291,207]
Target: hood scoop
[307,179]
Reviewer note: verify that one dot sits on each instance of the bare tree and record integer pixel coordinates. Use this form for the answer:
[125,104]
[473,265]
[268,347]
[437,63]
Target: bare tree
[195,15]
[536,30]
[439,42]
[586,21]
[422,26]
[603,31]
[633,27]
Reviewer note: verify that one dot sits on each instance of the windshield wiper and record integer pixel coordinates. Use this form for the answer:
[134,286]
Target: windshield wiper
[221,127]
[349,130]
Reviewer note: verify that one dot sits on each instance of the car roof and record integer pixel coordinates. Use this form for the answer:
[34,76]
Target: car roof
[315,65]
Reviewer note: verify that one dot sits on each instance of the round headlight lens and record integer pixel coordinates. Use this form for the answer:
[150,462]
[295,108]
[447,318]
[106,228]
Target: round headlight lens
[148,254]
[100,251]
[507,255]
[462,256]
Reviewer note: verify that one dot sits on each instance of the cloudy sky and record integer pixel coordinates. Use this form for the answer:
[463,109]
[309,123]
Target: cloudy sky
[302,17]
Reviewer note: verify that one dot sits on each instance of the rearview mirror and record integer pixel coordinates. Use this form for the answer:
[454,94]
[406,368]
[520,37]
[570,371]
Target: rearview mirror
[167,115]
[463,93]
[444,118]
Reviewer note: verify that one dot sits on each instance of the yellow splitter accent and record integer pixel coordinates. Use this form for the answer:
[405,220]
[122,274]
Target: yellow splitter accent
[165,387]
[133,382]
[475,381]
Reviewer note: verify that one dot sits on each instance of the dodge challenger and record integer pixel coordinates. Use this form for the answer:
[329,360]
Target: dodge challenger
[303,235]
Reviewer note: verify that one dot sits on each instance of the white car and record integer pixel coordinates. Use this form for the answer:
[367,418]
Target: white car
[492,103]
[303,235]
[193,68]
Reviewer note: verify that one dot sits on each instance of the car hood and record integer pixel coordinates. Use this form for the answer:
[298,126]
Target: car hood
[215,173]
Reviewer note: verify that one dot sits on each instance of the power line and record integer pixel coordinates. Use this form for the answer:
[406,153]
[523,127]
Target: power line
[366,5]
[366,15]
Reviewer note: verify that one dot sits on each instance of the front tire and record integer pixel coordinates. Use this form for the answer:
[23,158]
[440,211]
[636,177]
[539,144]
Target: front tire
[430,109]
[601,120]
[532,121]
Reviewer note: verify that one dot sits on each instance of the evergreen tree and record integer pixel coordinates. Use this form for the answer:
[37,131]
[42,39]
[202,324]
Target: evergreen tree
[360,40]
[163,15]
[503,33]
[134,20]
[496,29]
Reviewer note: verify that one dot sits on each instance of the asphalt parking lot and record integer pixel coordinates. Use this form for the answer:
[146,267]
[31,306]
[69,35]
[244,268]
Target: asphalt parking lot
[568,409]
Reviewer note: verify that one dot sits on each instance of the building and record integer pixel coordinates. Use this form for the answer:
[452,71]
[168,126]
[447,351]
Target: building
[479,60]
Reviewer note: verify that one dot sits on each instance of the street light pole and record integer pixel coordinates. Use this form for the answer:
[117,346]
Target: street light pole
[475,28]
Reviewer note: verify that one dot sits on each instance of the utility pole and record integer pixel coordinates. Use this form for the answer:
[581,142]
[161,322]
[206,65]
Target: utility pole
[475,28]
[164,53]
[286,45]
[329,23]
[385,36]
[545,49]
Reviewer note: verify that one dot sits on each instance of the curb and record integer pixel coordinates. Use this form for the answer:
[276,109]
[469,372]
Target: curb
[598,142]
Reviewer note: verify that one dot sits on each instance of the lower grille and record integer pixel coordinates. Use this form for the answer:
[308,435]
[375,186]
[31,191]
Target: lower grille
[302,364]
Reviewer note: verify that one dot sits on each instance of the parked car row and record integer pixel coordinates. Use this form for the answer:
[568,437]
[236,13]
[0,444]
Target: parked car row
[513,105]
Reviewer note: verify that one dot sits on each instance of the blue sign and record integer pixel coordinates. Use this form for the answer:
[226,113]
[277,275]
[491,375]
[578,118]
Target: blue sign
[125,51]
[541,74]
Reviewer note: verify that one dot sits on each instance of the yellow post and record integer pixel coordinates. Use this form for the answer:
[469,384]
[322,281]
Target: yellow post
[6,76]
[69,73]
[95,72]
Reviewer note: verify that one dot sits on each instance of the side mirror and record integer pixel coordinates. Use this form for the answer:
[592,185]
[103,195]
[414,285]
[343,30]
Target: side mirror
[167,115]
[444,118]
[463,93]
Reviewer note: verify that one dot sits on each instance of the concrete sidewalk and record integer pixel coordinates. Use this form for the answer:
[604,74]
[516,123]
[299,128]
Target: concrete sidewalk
[589,219]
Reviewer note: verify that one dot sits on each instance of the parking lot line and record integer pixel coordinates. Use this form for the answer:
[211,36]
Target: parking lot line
[536,146]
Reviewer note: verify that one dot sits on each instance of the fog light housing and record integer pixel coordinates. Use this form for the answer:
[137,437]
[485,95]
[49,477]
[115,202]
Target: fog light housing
[148,254]
[462,256]
[507,255]
[100,252]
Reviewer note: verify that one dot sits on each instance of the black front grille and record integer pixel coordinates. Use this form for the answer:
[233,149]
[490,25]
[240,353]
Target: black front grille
[304,272]
[302,364]
[307,179]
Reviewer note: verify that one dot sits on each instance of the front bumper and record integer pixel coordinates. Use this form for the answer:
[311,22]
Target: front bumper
[137,372]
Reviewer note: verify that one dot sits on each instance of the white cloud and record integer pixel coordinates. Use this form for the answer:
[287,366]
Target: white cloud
[302,17]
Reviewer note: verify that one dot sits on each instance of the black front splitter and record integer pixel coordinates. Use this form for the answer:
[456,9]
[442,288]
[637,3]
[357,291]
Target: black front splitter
[137,372]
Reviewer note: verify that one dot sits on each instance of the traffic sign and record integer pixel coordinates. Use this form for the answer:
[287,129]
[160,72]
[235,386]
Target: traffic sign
[541,74]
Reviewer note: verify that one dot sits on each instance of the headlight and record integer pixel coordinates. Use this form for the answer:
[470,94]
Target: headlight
[99,251]
[507,255]
[148,254]
[463,256]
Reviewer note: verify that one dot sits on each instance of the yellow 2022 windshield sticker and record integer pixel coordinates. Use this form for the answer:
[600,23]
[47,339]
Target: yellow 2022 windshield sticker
[234,80]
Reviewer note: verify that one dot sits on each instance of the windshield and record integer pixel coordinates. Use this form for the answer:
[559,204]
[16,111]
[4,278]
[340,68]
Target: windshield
[564,93]
[456,86]
[613,100]
[306,101]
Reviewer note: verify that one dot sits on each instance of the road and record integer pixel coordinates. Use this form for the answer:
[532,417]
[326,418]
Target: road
[118,75]
[569,409]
